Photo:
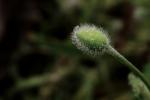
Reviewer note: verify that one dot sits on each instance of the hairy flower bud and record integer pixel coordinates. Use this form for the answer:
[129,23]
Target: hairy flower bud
[90,39]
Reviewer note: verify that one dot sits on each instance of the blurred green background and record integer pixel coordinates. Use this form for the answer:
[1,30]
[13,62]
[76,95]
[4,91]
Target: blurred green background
[39,62]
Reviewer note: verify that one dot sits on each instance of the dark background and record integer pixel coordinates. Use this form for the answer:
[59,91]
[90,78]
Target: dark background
[39,62]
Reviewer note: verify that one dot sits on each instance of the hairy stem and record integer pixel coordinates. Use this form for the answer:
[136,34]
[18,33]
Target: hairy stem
[124,61]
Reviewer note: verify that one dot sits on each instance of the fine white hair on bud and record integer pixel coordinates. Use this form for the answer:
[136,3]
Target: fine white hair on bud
[90,39]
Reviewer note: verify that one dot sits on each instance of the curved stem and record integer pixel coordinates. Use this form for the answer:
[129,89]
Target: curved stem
[124,61]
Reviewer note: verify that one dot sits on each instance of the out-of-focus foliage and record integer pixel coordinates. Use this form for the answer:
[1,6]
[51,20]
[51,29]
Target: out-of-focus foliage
[140,90]
[39,62]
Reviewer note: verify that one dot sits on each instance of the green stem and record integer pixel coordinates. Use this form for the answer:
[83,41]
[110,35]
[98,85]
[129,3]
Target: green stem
[124,61]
